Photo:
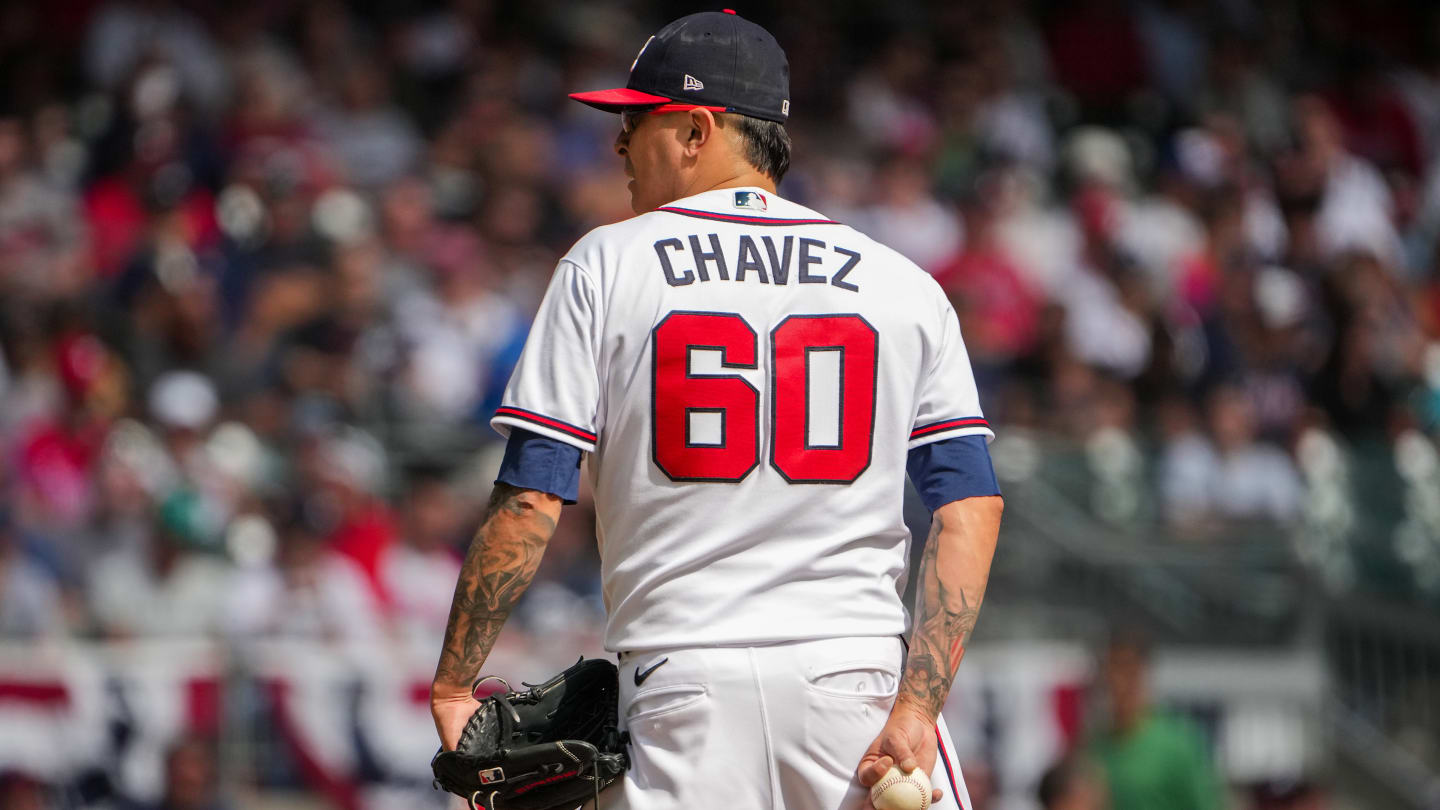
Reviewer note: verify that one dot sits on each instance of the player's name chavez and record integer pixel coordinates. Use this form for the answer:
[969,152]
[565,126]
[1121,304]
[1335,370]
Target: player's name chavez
[768,260]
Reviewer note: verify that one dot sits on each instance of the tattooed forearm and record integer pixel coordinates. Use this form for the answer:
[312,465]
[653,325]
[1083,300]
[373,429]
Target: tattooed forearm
[502,559]
[954,569]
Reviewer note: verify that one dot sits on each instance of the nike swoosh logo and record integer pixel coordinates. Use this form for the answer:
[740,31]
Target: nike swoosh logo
[641,676]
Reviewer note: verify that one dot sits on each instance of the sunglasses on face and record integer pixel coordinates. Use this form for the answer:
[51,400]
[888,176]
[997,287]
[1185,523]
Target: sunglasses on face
[630,118]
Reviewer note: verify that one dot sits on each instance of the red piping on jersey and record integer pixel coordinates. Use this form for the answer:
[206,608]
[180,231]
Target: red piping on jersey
[949,424]
[742,219]
[553,424]
[949,772]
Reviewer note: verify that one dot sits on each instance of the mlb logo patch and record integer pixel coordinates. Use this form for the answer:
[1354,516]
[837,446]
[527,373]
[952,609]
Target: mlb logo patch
[753,200]
[490,776]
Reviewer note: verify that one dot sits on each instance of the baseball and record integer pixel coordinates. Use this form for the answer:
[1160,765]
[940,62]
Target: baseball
[901,791]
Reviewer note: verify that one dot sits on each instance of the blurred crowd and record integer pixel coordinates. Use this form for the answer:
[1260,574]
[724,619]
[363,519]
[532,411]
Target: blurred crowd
[265,266]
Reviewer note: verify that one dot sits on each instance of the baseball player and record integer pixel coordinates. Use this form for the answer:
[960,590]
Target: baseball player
[751,382]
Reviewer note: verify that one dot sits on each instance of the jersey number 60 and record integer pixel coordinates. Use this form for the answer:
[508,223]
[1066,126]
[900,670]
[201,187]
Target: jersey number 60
[820,427]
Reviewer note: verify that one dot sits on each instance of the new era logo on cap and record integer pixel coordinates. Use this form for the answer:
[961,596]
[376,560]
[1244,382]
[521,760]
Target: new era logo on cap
[692,83]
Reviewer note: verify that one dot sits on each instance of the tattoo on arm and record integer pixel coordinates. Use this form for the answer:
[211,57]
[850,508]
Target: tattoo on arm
[499,565]
[944,618]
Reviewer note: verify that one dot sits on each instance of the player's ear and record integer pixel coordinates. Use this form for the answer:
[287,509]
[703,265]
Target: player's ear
[702,128]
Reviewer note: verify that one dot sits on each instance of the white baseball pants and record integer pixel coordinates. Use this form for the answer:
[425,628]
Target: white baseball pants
[773,727]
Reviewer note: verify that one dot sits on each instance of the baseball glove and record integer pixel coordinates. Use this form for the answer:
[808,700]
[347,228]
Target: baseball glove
[551,747]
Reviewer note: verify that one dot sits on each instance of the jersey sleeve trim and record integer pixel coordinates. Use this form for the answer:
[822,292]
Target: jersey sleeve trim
[949,429]
[741,218]
[545,425]
[949,424]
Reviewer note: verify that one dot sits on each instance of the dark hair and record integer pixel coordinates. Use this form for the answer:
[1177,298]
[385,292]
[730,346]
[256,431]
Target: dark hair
[767,144]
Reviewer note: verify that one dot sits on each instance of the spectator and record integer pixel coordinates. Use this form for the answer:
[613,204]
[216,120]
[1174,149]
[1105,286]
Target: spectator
[1107,303]
[124,34]
[351,481]
[999,312]
[902,213]
[30,605]
[1231,474]
[1240,86]
[1153,760]
[191,778]
[20,791]
[174,586]
[1356,206]
[57,449]
[1071,784]
[306,592]
[459,333]
[883,104]
[375,142]
[420,571]
[981,784]
[1187,463]
[42,240]
[1173,35]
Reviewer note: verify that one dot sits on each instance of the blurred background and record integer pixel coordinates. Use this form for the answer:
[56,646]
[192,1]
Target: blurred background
[265,266]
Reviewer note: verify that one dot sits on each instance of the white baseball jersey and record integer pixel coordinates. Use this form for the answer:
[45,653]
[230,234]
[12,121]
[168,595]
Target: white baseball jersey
[748,377]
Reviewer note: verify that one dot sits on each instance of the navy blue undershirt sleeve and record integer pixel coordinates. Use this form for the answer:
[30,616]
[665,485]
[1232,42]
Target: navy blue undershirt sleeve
[952,470]
[540,463]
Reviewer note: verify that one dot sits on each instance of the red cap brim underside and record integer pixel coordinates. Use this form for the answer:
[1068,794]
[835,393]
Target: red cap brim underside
[618,99]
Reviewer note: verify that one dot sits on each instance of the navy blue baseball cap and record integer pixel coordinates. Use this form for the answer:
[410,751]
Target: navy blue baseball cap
[716,60]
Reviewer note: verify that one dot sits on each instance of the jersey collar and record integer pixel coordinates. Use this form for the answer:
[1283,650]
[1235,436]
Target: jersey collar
[745,205]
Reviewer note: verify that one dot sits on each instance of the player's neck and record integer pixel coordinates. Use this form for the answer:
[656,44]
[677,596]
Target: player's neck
[745,178]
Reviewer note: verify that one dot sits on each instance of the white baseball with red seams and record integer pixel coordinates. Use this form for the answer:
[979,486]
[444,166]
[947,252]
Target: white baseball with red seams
[898,790]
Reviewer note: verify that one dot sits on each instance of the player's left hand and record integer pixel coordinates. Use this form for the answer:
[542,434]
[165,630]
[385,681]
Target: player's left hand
[908,741]
[451,710]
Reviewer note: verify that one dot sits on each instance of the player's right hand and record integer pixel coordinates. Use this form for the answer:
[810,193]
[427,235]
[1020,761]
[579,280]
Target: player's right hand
[907,740]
